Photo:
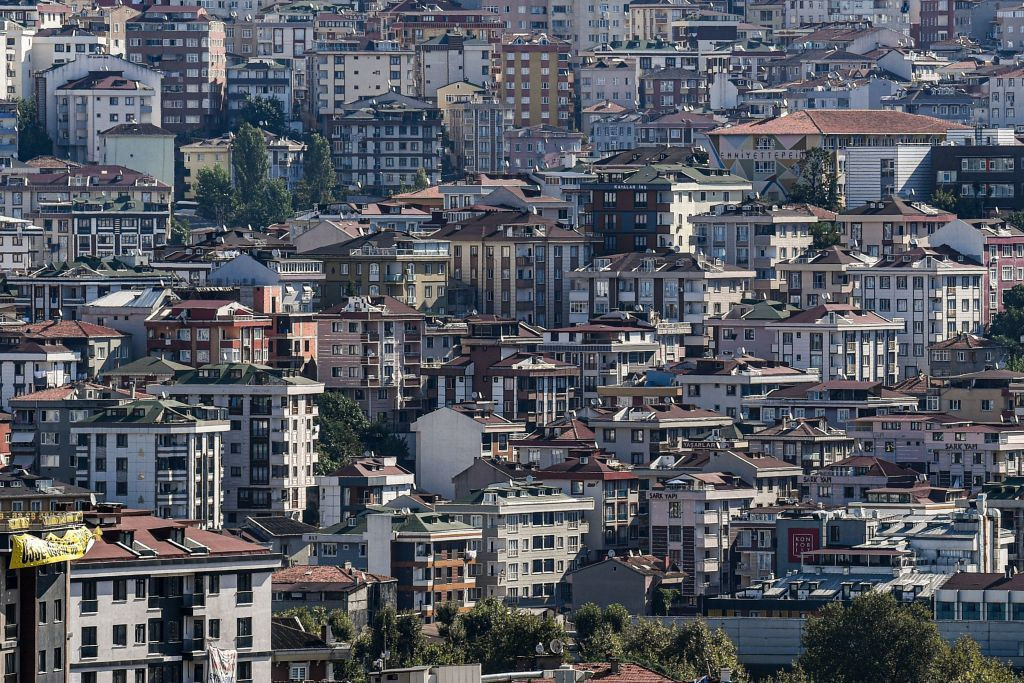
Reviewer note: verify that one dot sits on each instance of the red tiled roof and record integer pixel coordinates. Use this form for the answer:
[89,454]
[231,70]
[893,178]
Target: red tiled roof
[844,122]
[315,576]
[147,531]
[75,329]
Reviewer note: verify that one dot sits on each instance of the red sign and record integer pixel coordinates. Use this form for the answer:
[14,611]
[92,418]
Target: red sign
[802,541]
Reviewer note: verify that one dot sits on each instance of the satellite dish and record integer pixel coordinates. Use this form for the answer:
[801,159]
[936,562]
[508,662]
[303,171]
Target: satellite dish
[611,554]
[556,646]
[539,649]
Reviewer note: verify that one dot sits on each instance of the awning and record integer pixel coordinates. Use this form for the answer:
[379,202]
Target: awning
[23,437]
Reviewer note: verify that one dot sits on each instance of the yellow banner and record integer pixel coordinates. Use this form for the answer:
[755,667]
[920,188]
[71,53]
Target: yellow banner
[32,551]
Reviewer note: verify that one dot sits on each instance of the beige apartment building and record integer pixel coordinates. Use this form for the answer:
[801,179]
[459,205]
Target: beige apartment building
[532,536]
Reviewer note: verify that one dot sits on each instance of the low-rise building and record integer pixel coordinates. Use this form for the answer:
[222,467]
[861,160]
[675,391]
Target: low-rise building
[633,581]
[640,434]
[809,442]
[358,593]
[851,479]
[198,332]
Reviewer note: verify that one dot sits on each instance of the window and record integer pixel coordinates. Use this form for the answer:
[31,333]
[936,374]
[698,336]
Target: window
[120,635]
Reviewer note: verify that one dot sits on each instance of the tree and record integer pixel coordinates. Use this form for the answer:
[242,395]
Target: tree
[445,614]
[825,235]
[1016,219]
[341,422]
[873,638]
[963,662]
[663,600]
[818,183]
[33,140]
[495,635]
[699,651]
[422,182]
[318,177]
[946,201]
[214,196]
[263,112]
[617,617]
[252,169]
[1007,326]
[314,619]
[180,233]
[277,202]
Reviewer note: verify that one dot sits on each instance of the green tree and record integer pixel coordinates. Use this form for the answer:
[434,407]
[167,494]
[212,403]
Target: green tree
[263,112]
[318,177]
[33,141]
[379,437]
[663,600]
[825,235]
[873,638]
[252,170]
[700,651]
[422,182]
[315,618]
[1007,326]
[946,201]
[1016,219]
[341,422]
[214,196]
[445,614]
[495,635]
[818,183]
[277,202]
[617,617]
[587,620]
[963,662]
[180,233]
[646,642]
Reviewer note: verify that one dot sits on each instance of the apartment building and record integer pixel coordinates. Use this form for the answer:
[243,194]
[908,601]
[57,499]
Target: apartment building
[42,420]
[936,291]
[258,77]
[531,535]
[35,598]
[756,236]
[197,332]
[744,329]
[187,44]
[453,57]
[179,472]
[380,142]
[890,226]
[608,350]
[409,268]
[839,341]
[618,519]
[21,244]
[689,524]
[533,75]
[95,103]
[640,434]
[368,348]
[115,211]
[851,479]
[28,366]
[270,453]
[681,291]
[152,594]
[721,385]
[965,353]
[839,401]
[433,556]
[809,442]
[344,69]
[351,490]
[513,264]
[636,209]
[452,438]
[476,128]
[818,276]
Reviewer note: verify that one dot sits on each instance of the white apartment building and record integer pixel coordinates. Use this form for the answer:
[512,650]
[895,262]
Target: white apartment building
[1003,92]
[689,524]
[14,60]
[270,452]
[350,69]
[531,536]
[640,434]
[151,595]
[933,292]
[60,45]
[90,105]
[839,341]
[29,366]
[21,244]
[155,454]
[756,236]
